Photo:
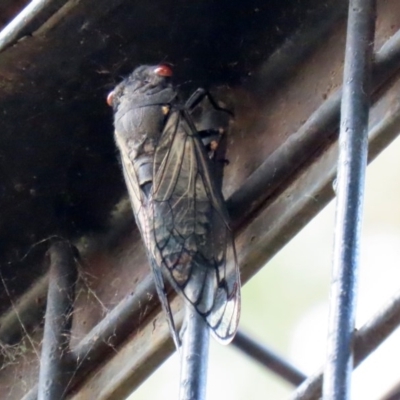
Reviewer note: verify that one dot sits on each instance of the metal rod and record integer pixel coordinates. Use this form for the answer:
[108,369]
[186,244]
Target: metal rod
[108,333]
[28,20]
[28,311]
[53,375]
[194,359]
[366,339]
[267,357]
[353,150]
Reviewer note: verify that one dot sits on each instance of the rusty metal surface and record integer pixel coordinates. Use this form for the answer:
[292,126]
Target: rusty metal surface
[114,261]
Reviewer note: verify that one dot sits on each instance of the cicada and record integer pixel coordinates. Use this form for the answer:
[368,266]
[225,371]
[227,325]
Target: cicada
[178,207]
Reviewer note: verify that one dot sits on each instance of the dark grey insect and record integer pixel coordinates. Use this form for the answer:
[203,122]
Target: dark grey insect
[178,208]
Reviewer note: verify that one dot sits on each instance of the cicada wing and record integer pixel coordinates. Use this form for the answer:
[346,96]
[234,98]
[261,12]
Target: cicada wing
[142,214]
[138,200]
[162,295]
[191,234]
[131,180]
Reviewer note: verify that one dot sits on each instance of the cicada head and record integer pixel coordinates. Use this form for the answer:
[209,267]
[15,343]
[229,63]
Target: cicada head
[145,79]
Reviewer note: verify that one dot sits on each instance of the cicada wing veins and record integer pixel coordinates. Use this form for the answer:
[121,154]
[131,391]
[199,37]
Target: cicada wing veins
[193,241]
[162,295]
[143,216]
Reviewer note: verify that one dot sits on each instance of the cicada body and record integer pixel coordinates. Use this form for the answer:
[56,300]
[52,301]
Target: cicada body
[178,207]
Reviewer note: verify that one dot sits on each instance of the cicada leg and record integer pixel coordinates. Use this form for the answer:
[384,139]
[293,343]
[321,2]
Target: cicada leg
[215,119]
[198,96]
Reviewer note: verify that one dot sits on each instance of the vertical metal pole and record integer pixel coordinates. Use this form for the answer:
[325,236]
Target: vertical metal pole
[353,146]
[194,360]
[53,376]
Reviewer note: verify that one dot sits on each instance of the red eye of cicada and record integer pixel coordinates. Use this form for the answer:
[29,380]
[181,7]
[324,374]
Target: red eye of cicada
[163,70]
[110,98]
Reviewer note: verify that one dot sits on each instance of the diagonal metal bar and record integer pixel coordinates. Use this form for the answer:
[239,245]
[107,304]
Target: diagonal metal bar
[393,393]
[24,314]
[352,164]
[28,20]
[268,357]
[53,375]
[366,340]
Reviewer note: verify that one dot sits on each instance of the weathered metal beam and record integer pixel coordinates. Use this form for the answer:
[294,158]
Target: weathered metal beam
[288,204]
[274,170]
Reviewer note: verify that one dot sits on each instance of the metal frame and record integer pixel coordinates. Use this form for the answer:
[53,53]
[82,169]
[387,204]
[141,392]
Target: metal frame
[262,187]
